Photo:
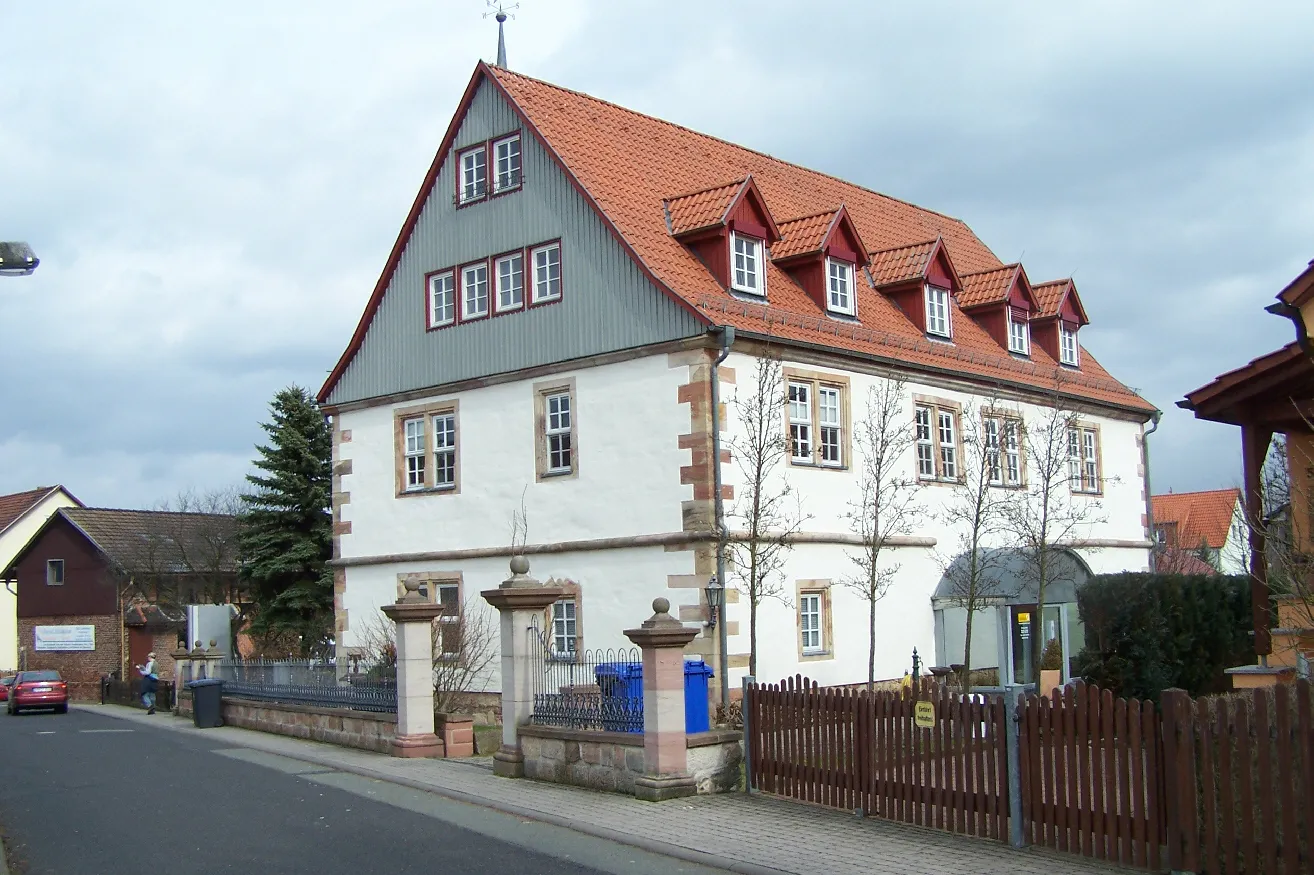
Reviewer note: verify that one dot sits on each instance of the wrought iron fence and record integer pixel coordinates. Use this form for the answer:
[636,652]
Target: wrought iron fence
[117,692]
[311,682]
[590,689]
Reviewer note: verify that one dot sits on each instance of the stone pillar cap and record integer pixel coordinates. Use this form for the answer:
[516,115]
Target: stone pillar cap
[520,590]
[661,629]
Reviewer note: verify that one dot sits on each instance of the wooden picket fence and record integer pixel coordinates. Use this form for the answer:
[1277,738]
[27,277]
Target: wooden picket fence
[859,750]
[1092,775]
[1222,785]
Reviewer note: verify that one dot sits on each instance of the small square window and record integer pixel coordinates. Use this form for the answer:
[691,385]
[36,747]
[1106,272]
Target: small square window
[937,311]
[507,154]
[474,291]
[746,268]
[839,287]
[510,282]
[547,273]
[442,299]
[54,572]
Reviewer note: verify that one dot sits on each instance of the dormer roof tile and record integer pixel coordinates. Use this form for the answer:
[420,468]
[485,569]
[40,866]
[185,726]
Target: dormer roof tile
[702,209]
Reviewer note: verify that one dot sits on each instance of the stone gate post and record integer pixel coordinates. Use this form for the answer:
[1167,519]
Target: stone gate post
[414,615]
[662,638]
[519,600]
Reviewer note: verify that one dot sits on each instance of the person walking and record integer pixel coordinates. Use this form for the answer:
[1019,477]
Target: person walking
[149,681]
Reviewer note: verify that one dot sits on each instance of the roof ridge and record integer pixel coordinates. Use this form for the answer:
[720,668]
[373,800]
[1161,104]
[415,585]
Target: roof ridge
[731,184]
[811,215]
[932,241]
[148,510]
[1013,266]
[502,72]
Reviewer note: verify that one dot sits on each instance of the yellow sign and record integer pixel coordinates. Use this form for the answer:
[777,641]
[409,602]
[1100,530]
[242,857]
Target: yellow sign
[1023,618]
[924,715]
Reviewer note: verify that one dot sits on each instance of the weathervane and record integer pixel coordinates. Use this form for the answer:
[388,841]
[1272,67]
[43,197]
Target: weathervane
[500,13]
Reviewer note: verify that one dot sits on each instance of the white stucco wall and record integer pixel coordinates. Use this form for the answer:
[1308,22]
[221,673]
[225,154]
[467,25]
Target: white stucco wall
[1234,557]
[12,540]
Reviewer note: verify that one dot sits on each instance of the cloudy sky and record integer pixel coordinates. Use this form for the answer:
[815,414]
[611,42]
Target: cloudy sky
[213,188]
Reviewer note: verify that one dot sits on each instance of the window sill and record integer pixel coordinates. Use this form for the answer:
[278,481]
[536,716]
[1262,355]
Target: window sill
[842,315]
[1084,493]
[751,294]
[820,466]
[1011,487]
[508,190]
[467,202]
[939,481]
[430,490]
[947,339]
[815,655]
[538,302]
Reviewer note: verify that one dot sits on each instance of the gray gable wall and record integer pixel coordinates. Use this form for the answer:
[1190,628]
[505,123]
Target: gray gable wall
[607,303]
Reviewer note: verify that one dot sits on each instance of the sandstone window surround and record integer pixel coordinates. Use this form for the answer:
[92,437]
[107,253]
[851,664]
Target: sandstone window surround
[812,619]
[1003,435]
[556,430]
[817,419]
[565,621]
[427,449]
[444,588]
[938,439]
[1085,463]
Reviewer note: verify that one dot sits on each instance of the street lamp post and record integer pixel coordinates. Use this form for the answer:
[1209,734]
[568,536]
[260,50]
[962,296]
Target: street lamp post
[715,591]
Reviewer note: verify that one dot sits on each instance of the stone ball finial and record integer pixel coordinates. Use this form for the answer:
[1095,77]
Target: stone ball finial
[519,565]
[661,606]
[411,585]
[213,644]
[198,643]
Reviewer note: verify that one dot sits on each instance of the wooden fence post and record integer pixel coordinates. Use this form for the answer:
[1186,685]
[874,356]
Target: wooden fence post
[1181,793]
[746,703]
[1012,699]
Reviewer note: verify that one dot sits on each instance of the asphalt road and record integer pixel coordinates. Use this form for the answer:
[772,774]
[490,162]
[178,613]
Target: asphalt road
[84,793]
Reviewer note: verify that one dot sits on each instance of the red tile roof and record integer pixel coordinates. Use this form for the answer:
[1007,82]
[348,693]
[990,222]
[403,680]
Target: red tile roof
[903,263]
[988,286]
[1050,295]
[1201,517]
[702,209]
[14,506]
[800,236]
[627,165]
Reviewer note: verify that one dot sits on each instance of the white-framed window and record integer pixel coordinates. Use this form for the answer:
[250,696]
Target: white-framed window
[510,282]
[547,272]
[936,441]
[810,608]
[564,626]
[474,174]
[937,311]
[442,299]
[1019,334]
[449,621]
[444,451]
[1084,459]
[557,432]
[1003,451]
[506,152]
[839,286]
[54,572]
[1069,351]
[800,422]
[829,425]
[746,268]
[413,430]
[474,291]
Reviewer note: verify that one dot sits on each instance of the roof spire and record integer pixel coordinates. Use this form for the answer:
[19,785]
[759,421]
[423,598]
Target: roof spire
[500,13]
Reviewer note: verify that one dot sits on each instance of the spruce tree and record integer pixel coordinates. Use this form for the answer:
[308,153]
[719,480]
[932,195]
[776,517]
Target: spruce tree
[287,527]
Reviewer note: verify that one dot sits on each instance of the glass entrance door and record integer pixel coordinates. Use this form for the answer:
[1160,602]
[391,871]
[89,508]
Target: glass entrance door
[1024,627]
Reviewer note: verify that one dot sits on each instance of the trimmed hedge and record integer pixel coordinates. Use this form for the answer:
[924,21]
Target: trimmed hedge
[1148,632]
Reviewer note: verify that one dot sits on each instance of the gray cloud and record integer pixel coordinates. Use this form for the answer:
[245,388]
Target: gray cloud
[213,190]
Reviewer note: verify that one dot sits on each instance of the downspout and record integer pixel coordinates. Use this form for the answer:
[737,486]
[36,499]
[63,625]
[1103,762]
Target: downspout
[727,335]
[1149,501]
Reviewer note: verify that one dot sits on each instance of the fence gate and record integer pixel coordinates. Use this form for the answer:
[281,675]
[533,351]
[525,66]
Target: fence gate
[935,759]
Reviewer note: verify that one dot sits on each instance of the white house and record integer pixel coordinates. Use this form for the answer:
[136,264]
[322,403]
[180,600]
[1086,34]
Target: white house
[541,344]
[21,516]
[1209,526]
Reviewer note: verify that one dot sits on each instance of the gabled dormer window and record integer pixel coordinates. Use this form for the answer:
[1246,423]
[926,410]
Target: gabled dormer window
[1019,334]
[839,286]
[1069,352]
[746,270]
[507,154]
[937,312]
[474,174]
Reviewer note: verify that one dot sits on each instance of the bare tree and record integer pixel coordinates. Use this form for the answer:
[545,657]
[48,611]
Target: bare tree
[464,652]
[1051,509]
[886,505]
[766,502]
[991,468]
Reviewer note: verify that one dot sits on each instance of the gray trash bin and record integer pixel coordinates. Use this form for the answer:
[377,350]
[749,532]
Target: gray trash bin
[207,703]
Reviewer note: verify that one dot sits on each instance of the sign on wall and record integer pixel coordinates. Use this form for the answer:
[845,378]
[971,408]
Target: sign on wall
[56,638]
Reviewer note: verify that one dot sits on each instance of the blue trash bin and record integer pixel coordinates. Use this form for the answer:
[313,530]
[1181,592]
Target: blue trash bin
[621,685]
[696,716]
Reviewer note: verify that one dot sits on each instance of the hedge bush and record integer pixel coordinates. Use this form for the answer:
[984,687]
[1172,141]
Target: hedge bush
[1148,632]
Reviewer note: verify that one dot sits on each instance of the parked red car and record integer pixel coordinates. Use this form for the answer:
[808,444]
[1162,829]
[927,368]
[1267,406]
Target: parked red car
[39,689]
[5,684]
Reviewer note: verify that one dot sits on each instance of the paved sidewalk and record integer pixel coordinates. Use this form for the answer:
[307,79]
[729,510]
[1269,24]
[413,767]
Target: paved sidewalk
[754,835]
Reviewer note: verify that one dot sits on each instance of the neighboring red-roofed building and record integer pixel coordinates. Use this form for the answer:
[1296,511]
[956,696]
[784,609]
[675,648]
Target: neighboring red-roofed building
[543,335]
[1208,525]
[21,515]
